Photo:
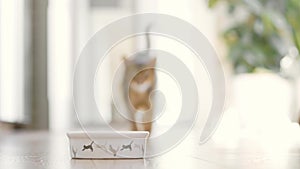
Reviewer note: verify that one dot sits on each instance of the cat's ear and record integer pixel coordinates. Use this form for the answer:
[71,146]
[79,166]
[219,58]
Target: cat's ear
[152,62]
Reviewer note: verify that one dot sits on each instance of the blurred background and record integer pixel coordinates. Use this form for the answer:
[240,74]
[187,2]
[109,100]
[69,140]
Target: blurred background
[258,43]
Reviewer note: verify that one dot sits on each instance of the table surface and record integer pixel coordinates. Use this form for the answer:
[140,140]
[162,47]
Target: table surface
[35,150]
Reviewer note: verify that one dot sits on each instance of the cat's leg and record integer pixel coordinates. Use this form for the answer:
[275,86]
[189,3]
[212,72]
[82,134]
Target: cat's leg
[139,117]
[144,126]
[144,121]
[148,126]
[149,120]
[132,122]
[134,126]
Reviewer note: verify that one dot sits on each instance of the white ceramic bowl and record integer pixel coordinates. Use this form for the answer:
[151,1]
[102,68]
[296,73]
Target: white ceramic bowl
[123,144]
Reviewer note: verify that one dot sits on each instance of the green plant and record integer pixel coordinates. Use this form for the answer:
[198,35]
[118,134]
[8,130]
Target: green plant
[263,36]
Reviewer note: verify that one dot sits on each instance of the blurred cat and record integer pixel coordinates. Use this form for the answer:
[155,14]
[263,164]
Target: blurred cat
[139,82]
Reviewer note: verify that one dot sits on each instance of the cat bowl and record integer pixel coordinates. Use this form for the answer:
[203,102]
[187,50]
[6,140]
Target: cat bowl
[103,145]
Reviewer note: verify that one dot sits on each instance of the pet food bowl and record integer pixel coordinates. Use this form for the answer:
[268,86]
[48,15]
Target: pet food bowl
[103,145]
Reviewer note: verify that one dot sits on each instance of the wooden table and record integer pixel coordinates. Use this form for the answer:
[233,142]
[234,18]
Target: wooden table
[35,150]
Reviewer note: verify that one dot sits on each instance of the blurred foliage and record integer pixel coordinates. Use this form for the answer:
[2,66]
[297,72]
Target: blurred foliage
[261,33]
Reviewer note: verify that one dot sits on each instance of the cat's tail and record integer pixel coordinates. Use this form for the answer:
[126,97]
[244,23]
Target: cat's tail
[148,36]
